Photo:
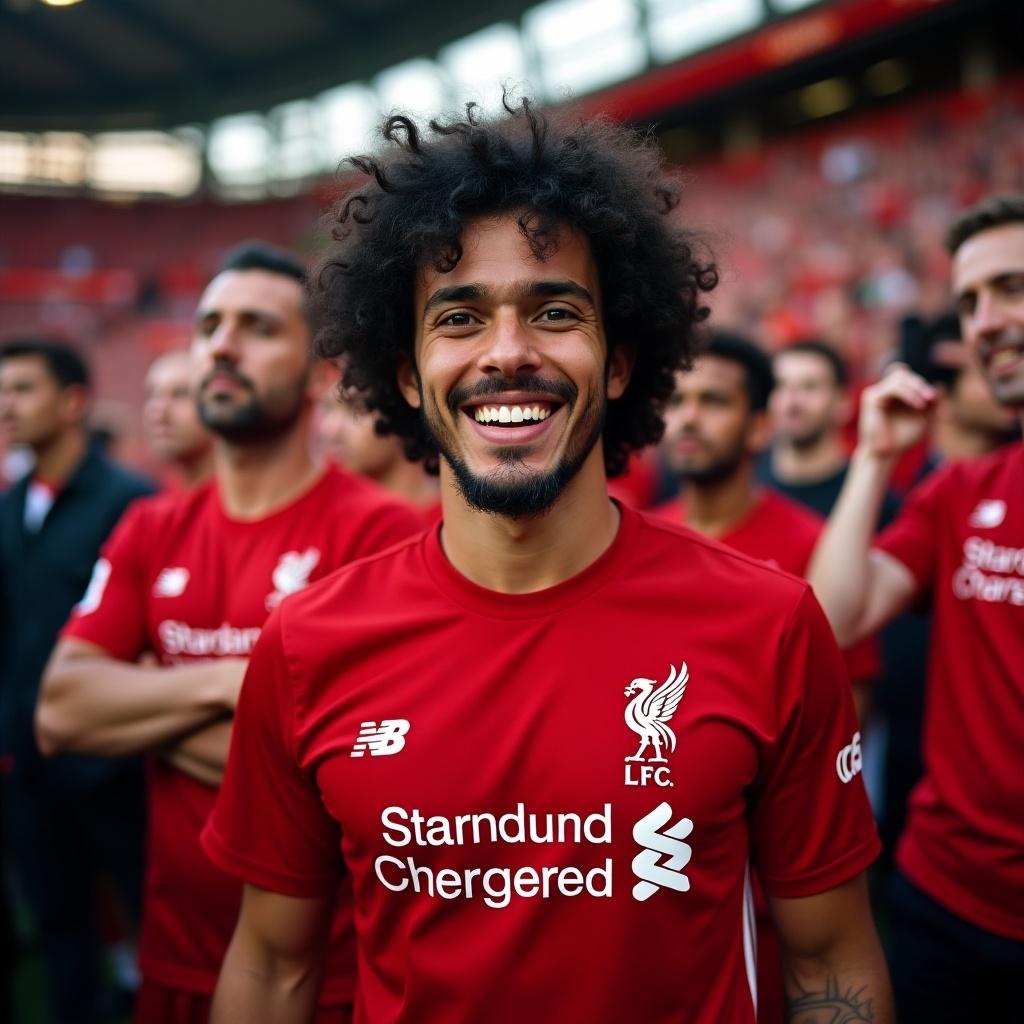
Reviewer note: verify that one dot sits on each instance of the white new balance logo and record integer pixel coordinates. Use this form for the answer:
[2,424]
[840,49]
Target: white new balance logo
[386,738]
[648,865]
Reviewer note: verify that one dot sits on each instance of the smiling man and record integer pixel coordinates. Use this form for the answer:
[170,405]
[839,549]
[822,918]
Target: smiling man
[549,734]
[189,578]
[958,909]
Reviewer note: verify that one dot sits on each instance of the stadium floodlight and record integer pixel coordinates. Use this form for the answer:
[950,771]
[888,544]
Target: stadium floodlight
[297,155]
[144,163]
[417,87]
[472,64]
[678,28]
[60,3]
[582,45]
[239,150]
[346,118]
[785,6]
[15,158]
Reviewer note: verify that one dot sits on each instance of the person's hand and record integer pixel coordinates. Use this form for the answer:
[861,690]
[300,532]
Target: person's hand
[894,412]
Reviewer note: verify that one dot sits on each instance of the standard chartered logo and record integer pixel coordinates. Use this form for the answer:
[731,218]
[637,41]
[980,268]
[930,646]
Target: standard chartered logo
[654,872]
[659,864]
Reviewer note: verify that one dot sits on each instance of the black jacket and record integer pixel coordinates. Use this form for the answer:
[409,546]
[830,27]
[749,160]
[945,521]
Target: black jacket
[42,576]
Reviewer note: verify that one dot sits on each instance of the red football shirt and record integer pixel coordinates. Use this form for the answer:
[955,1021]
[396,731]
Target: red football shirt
[783,532]
[961,535]
[549,800]
[178,577]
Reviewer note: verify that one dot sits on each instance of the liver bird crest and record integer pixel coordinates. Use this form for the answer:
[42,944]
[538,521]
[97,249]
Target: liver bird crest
[650,711]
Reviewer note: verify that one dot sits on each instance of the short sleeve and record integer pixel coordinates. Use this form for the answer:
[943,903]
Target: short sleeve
[811,825]
[392,523]
[911,537]
[269,827]
[112,611]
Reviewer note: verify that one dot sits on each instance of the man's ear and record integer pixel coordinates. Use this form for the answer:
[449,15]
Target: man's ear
[408,381]
[759,431]
[323,377]
[621,361]
[74,403]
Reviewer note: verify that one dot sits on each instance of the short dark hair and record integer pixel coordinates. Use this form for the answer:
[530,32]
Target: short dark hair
[65,365]
[816,347]
[252,255]
[601,179]
[991,212]
[757,366]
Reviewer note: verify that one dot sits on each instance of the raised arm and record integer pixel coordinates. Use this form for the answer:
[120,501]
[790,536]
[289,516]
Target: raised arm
[274,965]
[858,588]
[92,703]
[833,963]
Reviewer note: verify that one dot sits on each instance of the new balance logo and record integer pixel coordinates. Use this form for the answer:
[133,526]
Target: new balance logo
[171,582]
[988,513]
[386,738]
[649,866]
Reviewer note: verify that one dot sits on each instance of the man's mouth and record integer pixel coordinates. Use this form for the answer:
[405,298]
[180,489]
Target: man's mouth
[1004,360]
[511,415]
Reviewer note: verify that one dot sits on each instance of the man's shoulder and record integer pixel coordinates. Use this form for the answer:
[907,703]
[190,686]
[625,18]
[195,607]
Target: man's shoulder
[965,479]
[159,512]
[780,508]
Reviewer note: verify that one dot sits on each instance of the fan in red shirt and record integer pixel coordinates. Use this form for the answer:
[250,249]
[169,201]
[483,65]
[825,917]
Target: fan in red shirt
[716,425]
[190,577]
[556,734]
[958,909]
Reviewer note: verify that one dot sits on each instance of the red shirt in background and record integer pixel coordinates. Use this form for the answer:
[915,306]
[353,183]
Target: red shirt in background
[961,535]
[180,578]
[473,761]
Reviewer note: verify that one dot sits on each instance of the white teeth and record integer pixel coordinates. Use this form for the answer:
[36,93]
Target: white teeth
[510,413]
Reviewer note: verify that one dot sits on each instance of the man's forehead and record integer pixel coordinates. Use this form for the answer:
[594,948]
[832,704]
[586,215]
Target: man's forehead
[987,255]
[802,365]
[251,290]
[27,365]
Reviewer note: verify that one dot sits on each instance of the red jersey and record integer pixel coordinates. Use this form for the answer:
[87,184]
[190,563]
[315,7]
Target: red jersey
[549,799]
[961,535]
[783,532]
[180,578]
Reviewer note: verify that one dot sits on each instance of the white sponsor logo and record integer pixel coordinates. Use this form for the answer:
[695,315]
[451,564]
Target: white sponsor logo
[648,715]
[495,885]
[660,863]
[849,760]
[991,573]
[988,513]
[292,574]
[171,582]
[225,641]
[94,592]
[380,740]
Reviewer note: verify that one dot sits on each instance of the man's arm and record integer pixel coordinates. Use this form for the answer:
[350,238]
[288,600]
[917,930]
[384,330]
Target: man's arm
[92,703]
[274,965]
[833,963]
[202,753]
[858,588]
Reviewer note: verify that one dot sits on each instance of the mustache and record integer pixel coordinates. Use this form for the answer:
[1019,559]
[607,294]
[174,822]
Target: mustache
[224,370]
[489,386]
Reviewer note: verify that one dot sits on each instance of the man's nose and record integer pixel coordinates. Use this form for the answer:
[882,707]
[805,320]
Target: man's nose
[509,348]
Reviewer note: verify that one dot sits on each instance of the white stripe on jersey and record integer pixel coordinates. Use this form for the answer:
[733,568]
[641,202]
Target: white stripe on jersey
[750,938]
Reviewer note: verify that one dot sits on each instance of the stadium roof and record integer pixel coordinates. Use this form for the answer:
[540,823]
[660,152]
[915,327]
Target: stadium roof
[128,64]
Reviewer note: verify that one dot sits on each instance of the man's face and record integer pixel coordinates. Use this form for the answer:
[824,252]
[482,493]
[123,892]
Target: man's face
[251,355]
[170,420]
[711,433]
[512,371]
[346,432]
[988,283]
[807,403]
[34,408]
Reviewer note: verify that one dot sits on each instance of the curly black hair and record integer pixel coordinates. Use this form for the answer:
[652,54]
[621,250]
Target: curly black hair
[602,179]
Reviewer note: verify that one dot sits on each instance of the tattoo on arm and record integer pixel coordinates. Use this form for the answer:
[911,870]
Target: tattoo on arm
[833,1005]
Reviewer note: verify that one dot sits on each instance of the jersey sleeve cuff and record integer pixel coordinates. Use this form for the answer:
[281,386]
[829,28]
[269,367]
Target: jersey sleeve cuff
[246,870]
[836,873]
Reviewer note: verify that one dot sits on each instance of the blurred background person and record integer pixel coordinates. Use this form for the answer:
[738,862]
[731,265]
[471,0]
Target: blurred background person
[72,818]
[346,432]
[173,431]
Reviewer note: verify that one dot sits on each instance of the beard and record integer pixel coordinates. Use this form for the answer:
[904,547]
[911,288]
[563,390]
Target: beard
[718,468]
[259,417]
[513,490]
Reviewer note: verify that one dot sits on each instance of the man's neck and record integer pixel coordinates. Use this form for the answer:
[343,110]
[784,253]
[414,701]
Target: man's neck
[408,480]
[795,465]
[61,456]
[712,509]
[519,556]
[953,441]
[255,480]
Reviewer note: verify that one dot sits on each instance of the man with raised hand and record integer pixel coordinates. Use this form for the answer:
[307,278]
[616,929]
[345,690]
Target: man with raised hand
[958,907]
[190,578]
[554,732]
